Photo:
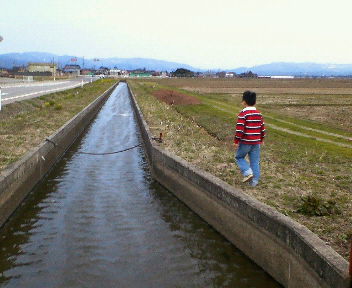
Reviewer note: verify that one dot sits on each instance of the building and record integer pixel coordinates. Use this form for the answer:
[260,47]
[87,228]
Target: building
[4,72]
[140,74]
[87,72]
[42,67]
[229,75]
[282,77]
[115,72]
[72,69]
[102,71]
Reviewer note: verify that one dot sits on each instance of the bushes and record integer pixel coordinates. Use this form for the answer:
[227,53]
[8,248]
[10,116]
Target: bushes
[315,206]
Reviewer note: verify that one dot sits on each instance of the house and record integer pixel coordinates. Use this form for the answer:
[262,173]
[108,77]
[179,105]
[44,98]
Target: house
[102,71]
[140,74]
[4,72]
[115,72]
[42,67]
[72,69]
[282,77]
[87,72]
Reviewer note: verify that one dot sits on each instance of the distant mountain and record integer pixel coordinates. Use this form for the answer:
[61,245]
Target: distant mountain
[276,68]
[22,59]
[298,69]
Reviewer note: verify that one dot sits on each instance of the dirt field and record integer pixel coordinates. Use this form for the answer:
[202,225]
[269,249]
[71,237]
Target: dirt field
[221,83]
[326,101]
[172,97]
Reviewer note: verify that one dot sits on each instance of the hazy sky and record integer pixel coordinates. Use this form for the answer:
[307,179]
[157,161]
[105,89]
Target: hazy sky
[204,33]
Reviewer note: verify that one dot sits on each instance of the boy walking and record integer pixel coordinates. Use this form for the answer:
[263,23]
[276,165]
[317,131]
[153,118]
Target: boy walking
[250,132]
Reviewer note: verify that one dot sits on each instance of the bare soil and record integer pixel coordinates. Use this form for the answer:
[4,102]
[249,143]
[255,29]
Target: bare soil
[175,98]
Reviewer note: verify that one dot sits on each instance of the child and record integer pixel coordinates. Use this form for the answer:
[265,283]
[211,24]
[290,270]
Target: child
[250,132]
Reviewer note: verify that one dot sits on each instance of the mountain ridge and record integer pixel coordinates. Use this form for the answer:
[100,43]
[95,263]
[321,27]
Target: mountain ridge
[22,59]
[298,69]
[275,68]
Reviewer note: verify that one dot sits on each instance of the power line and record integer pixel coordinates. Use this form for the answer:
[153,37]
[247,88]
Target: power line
[94,153]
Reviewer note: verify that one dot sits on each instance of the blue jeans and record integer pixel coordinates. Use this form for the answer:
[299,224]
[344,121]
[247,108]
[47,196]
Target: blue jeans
[253,167]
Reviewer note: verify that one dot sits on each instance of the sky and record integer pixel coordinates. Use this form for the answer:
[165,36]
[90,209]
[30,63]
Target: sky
[206,34]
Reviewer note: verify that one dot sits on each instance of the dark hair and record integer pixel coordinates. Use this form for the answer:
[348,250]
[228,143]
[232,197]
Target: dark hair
[249,97]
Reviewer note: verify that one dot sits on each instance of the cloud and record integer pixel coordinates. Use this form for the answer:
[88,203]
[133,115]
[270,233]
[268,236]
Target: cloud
[202,33]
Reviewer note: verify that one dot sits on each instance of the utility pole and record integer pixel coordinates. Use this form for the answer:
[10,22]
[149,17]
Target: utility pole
[1,38]
[54,70]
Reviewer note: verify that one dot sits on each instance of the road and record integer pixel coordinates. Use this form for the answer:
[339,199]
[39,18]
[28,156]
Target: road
[12,92]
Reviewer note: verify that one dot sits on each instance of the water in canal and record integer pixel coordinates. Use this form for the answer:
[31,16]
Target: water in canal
[101,221]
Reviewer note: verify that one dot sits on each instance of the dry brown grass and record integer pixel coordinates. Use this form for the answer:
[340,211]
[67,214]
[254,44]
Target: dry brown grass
[220,83]
[335,116]
[25,124]
[273,90]
[335,86]
[332,110]
[292,166]
[326,101]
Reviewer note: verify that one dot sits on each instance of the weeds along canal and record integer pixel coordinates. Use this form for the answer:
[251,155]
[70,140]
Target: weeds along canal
[101,221]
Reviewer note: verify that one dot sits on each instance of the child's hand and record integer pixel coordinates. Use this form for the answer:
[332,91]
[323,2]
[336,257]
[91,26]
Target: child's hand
[235,145]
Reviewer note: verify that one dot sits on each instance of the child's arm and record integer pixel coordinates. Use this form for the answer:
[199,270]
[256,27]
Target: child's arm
[263,131]
[239,128]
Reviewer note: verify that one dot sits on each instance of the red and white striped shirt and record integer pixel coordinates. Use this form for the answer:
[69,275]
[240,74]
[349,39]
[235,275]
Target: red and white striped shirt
[250,127]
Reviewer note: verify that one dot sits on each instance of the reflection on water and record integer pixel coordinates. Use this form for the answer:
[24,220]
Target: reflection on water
[101,221]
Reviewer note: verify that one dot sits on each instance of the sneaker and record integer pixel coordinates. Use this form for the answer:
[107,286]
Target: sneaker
[254,183]
[247,178]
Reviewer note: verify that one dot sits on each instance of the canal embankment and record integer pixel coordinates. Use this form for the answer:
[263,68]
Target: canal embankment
[291,253]
[20,177]
[103,221]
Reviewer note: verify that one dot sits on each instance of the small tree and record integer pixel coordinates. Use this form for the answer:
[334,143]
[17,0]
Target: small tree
[182,72]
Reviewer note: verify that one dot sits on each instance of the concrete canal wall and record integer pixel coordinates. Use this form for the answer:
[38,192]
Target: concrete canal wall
[19,179]
[288,251]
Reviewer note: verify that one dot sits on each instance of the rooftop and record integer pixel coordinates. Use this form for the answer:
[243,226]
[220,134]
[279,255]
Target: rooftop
[40,64]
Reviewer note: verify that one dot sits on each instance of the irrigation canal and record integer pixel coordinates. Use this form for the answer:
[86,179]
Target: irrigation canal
[101,221]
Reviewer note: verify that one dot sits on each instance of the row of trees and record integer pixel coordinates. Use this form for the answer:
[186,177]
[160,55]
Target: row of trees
[182,72]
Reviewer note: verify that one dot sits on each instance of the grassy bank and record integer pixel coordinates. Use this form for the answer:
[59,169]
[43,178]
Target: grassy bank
[25,124]
[303,177]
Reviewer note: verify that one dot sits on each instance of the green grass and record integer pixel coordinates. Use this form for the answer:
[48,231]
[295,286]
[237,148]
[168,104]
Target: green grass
[219,119]
[292,166]
[227,104]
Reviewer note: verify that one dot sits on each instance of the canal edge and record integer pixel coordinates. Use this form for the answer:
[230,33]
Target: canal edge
[287,250]
[18,180]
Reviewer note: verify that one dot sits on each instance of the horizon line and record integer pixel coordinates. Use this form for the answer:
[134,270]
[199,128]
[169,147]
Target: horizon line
[177,62]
